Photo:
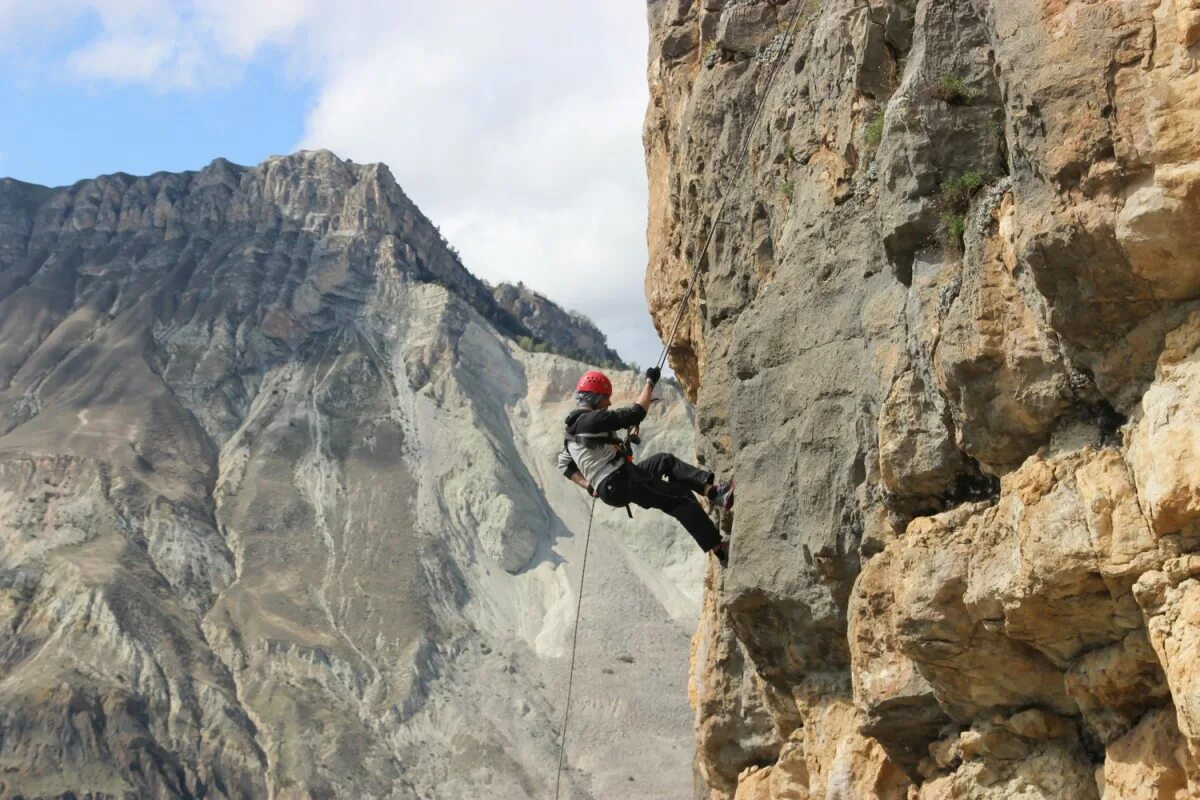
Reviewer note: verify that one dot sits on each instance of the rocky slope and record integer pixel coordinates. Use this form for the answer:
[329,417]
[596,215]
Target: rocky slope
[558,330]
[947,337]
[279,515]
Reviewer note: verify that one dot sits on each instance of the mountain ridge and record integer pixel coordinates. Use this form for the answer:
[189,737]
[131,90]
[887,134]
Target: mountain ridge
[475,290]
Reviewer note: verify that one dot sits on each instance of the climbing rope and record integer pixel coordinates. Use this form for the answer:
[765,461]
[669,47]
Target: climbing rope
[712,228]
[562,746]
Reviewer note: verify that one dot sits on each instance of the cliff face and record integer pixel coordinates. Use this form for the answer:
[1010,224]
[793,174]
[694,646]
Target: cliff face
[279,515]
[946,337]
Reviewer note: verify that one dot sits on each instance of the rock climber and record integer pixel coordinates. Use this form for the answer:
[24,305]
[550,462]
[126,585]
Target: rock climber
[594,457]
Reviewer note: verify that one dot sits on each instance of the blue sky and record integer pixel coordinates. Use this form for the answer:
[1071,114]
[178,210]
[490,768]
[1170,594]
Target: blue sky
[65,132]
[519,134]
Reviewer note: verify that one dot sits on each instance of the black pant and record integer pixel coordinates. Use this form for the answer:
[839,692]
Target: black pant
[643,484]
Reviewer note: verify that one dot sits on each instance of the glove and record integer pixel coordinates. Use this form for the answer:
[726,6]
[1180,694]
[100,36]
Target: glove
[653,374]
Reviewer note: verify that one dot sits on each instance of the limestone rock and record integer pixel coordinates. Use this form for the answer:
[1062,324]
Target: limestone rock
[827,758]
[746,27]
[1150,761]
[901,710]
[1006,381]
[733,724]
[1164,449]
[840,760]
[1115,685]
[917,453]
[1170,599]
[950,639]
[1030,756]
[943,336]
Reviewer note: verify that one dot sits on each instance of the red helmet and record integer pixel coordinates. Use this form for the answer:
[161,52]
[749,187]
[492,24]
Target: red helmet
[595,382]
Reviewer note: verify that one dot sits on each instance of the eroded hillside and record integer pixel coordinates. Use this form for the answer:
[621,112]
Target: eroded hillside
[946,337]
[279,512]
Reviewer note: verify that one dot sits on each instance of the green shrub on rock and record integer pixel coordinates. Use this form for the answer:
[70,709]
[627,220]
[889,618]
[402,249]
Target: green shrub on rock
[873,134]
[953,90]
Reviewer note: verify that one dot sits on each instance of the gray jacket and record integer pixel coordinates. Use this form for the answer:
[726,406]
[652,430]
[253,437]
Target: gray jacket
[592,446]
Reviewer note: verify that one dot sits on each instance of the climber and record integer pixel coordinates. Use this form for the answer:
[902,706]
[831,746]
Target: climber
[594,457]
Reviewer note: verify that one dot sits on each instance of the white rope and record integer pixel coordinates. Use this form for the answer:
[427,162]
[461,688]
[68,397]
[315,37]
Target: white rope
[562,747]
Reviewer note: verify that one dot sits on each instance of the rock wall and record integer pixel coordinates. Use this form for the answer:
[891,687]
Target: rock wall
[946,336]
[279,513]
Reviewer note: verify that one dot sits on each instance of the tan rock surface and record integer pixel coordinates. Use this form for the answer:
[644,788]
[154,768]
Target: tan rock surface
[828,758]
[1015,759]
[1170,599]
[1150,761]
[1114,685]
[1164,444]
[734,728]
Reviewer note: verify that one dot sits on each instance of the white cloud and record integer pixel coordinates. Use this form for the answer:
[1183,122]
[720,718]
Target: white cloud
[515,126]
[184,44]
[120,58]
[23,24]
[241,27]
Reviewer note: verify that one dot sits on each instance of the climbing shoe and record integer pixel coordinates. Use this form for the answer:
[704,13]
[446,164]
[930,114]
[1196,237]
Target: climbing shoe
[721,551]
[722,495]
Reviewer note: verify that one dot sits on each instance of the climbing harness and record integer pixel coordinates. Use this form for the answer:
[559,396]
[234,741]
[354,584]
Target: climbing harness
[562,745]
[623,447]
[712,228]
[593,439]
[632,436]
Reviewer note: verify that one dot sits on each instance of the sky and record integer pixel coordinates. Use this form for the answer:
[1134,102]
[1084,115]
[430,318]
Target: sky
[516,127]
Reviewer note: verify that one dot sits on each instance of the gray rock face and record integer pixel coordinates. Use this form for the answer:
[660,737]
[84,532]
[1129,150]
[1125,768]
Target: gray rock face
[564,332]
[279,515]
[948,265]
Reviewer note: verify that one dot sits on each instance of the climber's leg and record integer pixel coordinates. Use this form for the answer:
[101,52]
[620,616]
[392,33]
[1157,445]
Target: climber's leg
[701,481]
[648,490]
[667,465]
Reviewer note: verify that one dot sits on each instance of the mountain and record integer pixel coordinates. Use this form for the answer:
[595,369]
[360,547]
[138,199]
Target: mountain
[946,337]
[280,516]
[559,331]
